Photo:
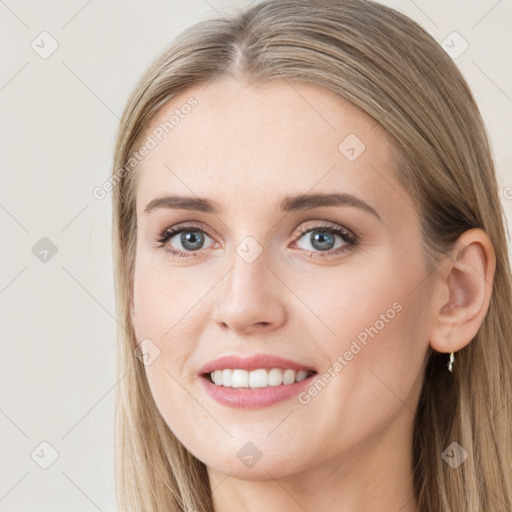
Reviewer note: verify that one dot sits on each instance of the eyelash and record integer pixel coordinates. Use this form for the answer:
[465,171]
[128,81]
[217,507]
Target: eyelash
[351,240]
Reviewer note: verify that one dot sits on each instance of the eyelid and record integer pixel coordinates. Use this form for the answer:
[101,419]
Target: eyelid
[349,237]
[303,228]
[318,224]
[186,225]
[183,226]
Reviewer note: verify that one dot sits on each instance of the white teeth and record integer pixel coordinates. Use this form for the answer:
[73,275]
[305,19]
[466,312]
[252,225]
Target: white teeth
[217,377]
[227,377]
[301,375]
[240,379]
[260,378]
[275,377]
[289,377]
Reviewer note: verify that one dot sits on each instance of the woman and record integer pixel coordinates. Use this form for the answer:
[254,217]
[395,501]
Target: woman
[312,269]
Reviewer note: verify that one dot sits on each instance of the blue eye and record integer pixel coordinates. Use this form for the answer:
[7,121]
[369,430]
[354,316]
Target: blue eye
[191,239]
[322,240]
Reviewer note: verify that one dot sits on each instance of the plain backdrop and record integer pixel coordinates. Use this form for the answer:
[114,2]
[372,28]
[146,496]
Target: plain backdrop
[58,117]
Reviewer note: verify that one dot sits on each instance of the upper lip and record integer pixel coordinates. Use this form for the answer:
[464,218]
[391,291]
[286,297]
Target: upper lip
[252,363]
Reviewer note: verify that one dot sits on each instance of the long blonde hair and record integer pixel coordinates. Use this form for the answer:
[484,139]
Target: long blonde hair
[388,66]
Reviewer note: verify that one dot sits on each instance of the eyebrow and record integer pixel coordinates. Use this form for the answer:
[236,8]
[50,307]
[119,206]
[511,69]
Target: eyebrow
[287,204]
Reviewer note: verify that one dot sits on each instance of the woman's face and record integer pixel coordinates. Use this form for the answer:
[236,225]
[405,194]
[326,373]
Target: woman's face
[267,275]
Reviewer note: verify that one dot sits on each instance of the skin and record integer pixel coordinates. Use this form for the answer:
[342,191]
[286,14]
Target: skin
[349,448]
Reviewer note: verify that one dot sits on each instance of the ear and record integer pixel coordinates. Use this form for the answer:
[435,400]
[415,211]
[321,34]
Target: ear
[463,292]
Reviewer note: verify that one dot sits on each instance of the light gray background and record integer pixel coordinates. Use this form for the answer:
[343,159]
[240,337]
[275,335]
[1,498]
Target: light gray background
[58,117]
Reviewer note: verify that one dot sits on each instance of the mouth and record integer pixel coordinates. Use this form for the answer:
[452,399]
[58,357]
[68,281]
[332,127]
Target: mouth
[260,378]
[256,388]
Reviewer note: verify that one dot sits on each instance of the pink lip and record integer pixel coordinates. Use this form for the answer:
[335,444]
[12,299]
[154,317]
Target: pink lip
[252,363]
[254,398]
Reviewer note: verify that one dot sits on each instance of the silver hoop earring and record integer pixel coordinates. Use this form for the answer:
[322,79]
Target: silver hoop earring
[450,362]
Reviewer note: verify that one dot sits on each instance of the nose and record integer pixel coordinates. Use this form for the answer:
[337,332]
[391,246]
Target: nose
[250,298]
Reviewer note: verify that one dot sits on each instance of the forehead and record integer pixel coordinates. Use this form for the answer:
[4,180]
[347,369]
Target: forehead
[244,144]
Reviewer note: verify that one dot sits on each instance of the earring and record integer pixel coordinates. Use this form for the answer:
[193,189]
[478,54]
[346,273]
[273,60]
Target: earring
[450,363]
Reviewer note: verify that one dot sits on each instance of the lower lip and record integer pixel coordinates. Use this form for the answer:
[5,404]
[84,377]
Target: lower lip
[254,398]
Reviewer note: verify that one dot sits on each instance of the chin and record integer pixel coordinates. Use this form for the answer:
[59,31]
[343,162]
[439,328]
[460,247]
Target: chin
[246,466]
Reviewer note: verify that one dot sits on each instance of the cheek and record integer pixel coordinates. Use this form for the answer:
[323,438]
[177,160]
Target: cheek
[167,316]
[376,355]
[374,316]
[347,299]
[166,299]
